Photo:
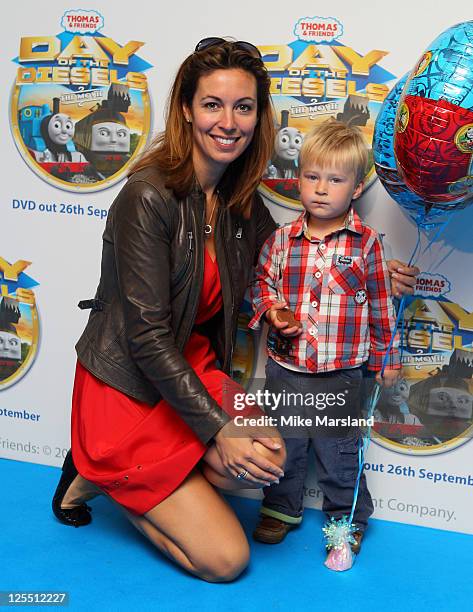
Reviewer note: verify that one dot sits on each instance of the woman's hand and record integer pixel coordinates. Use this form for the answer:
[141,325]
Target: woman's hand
[236,450]
[403,277]
[281,326]
[389,378]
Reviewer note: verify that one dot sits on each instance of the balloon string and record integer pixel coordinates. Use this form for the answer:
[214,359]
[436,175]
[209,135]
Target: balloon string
[414,255]
[374,397]
[439,232]
[363,447]
[400,315]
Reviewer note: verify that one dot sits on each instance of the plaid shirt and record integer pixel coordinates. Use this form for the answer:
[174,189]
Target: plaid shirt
[338,288]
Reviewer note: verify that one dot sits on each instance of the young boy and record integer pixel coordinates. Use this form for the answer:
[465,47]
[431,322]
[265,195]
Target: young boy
[323,286]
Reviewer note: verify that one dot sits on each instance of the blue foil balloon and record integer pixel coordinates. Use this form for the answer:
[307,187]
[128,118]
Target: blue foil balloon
[433,141]
[383,141]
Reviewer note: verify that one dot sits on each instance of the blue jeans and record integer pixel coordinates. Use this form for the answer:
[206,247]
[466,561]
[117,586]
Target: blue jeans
[336,449]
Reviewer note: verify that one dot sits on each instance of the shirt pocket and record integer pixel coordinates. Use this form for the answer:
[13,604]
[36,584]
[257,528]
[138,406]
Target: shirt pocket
[346,275]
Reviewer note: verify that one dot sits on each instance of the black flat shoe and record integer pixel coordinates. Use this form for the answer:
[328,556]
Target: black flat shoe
[74,517]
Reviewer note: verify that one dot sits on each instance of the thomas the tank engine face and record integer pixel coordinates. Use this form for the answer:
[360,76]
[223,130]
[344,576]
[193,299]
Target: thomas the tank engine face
[288,143]
[110,137]
[450,402]
[60,129]
[10,346]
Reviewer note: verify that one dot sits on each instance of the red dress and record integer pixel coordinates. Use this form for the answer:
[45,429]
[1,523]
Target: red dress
[136,453]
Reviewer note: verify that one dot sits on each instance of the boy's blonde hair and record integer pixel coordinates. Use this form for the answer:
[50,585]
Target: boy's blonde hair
[335,143]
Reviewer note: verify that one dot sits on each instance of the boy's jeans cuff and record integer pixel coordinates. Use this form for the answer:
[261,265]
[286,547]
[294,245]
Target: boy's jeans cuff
[292,520]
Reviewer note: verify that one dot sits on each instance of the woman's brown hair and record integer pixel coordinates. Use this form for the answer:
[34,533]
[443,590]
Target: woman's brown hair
[171,151]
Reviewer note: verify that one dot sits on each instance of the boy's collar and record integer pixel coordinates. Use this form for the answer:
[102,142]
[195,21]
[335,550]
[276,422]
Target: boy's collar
[351,223]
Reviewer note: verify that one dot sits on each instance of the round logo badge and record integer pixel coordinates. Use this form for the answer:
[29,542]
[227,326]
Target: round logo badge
[79,109]
[462,186]
[422,64]
[402,118]
[464,139]
[314,79]
[430,410]
[19,322]
[360,296]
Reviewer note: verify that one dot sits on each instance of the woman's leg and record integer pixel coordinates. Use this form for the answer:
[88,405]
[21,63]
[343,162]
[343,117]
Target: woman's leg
[216,473]
[80,491]
[198,530]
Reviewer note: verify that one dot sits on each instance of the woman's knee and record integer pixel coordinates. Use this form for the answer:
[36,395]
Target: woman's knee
[218,480]
[225,565]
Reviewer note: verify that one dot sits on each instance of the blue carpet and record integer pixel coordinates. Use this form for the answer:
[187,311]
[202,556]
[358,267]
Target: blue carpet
[110,566]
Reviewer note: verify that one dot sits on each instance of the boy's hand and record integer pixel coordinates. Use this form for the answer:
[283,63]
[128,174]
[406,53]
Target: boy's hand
[283,327]
[389,378]
[403,277]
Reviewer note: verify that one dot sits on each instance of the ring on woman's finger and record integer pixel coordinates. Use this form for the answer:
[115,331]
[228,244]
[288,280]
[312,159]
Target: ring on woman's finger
[242,475]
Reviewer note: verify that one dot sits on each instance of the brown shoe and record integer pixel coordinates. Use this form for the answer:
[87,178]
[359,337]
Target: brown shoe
[355,548]
[271,530]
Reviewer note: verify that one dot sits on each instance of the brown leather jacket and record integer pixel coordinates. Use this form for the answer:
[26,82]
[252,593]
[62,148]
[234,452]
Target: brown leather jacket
[148,294]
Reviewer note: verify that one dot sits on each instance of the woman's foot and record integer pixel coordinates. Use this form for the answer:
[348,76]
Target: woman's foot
[71,494]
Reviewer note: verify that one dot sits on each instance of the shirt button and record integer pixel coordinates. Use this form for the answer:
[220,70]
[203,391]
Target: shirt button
[315,304]
[323,247]
[317,275]
[312,331]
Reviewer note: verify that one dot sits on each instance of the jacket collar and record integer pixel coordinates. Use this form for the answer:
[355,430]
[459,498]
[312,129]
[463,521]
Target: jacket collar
[197,191]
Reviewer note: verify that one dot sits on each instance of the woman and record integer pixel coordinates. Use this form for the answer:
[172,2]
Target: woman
[179,245]
[187,222]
